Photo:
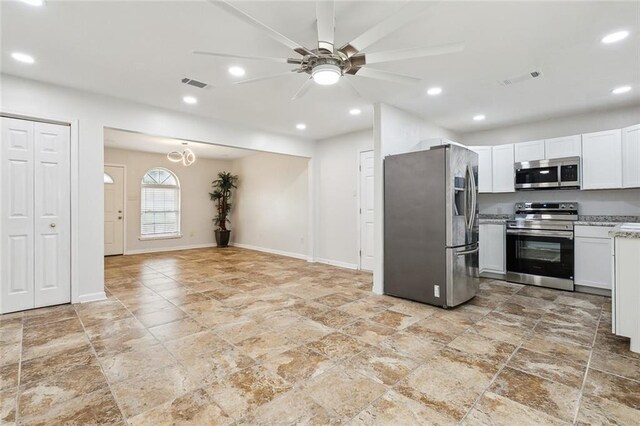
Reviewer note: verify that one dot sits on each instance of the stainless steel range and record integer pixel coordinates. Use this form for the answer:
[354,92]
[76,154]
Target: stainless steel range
[540,244]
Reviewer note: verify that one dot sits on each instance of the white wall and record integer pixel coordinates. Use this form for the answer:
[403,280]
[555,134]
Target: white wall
[197,209]
[337,217]
[94,112]
[395,132]
[270,206]
[605,202]
[556,127]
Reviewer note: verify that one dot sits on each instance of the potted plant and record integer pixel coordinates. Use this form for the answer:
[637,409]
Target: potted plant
[221,195]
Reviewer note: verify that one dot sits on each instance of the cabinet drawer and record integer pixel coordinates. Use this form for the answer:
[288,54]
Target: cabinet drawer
[592,231]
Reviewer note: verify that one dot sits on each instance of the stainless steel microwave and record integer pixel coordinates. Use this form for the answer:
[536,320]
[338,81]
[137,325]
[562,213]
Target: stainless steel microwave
[561,173]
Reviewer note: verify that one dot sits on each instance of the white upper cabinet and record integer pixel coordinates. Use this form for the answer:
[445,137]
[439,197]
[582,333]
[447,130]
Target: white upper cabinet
[631,157]
[529,151]
[502,165]
[568,146]
[602,160]
[485,169]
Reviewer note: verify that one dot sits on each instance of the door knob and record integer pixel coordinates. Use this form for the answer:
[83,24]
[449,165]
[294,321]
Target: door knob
[119,217]
[52,225]
[119,211]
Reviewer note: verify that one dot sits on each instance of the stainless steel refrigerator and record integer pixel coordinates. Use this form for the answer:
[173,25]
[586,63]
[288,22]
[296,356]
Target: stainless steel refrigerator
[431,225]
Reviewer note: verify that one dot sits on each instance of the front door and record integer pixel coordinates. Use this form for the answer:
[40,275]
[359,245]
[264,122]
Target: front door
[366,210]
[113,210]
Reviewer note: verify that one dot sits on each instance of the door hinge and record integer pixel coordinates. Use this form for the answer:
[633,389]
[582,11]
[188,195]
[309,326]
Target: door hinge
[360,211]
[359,168]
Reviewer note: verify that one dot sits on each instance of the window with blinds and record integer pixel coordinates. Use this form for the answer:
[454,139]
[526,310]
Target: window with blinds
[160,204]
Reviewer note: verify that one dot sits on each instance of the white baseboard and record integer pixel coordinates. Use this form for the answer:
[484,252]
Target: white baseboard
[337,263]
[92,297]
[162,249]
[268,250]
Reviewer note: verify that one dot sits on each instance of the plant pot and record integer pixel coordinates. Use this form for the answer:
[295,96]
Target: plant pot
[222,237]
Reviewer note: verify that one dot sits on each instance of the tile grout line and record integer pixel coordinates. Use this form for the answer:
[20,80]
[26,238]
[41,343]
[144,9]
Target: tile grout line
[586,371]
[95,354]
[18,392]
[495,376]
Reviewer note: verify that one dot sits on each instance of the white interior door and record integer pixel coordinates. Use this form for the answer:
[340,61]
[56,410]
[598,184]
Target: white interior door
[366,210]
[17,224]
[113,210]
[52,215]
[35,258]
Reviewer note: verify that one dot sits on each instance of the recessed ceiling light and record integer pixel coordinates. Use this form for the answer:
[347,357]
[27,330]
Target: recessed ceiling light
[23,57]
[33,2]
[354,111]
[301,126]
[479,117]
[615,37]
[190,100]
[434,91]
[236,71]
[620,90]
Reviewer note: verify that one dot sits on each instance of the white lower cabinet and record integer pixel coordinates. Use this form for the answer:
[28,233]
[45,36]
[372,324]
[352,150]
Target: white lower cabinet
[625,296]
[492,248]
[592,256]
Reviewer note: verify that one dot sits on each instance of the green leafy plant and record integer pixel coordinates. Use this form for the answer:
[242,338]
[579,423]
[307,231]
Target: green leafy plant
[221,195]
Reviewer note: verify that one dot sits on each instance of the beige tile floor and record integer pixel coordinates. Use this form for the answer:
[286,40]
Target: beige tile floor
[231,336]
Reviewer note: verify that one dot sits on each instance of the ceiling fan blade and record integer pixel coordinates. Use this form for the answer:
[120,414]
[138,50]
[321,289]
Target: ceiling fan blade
[226,55]
[325,15]
[408,13]
[267,77]
[386,75]
[420,52]
[350,85]
[304,89]
[224,5]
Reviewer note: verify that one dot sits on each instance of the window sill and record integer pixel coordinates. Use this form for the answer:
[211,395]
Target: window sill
[160,237]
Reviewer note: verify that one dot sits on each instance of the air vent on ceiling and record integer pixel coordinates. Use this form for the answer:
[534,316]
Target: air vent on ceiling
[520,78]
[195,83]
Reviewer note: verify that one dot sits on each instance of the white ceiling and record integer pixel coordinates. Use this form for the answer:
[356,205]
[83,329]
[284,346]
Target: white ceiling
[141,50]
[121,139]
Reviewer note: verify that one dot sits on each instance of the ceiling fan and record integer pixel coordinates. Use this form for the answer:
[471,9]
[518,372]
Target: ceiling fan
[326,64]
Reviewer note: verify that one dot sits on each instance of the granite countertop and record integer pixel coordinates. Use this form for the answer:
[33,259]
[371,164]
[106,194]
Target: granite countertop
[602,220]
[619,232]
[583,220]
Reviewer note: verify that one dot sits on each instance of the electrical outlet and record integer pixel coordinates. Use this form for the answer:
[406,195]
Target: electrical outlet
[436,291]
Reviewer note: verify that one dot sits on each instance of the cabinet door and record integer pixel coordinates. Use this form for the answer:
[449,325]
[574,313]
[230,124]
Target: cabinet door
[568,146]
[602,160]
[485,174]
[528,151]
[593,262]
[492,248]
[631,157]
[502,168]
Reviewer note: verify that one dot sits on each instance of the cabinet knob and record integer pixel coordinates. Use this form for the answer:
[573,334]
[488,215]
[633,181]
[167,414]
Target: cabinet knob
[52,225]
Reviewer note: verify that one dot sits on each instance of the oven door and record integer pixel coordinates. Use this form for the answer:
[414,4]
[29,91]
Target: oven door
[537,177]
[540,257]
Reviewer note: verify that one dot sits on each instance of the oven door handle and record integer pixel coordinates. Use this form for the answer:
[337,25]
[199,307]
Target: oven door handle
[536,233]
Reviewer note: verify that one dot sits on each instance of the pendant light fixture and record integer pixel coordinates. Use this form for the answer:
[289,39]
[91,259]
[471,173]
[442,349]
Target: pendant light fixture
[187,157]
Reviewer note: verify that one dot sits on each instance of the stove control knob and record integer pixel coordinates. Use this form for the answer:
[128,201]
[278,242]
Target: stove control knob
[562,206]
[571,206]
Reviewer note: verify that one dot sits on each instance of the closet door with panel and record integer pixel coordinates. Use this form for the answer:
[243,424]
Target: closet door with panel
[35,203]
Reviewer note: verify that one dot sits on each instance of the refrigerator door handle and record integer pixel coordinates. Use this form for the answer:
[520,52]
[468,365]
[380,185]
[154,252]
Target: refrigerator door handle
[474,193]
[467,252]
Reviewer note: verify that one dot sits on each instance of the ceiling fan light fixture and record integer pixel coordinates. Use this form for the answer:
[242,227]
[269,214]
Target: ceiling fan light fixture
[326,74]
